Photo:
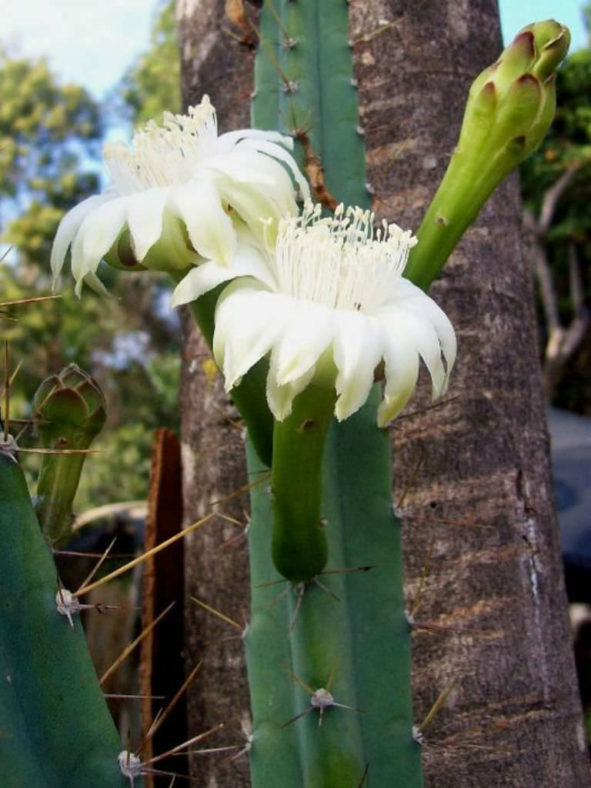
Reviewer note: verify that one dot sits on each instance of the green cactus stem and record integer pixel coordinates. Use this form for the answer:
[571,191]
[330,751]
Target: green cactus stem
[55,728]
[298,543]
[509,110]
[346,633]
[69,412]
[304,85]
[329,654]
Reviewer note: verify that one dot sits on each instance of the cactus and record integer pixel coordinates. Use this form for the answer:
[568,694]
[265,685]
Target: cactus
[69,412]
[55,728]
[328,661]
[509,110]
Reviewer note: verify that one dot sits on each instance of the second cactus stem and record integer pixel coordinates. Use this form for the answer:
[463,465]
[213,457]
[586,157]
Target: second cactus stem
[328,645]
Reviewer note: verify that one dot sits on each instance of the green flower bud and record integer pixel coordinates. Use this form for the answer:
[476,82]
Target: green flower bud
[509,110]
[69,412]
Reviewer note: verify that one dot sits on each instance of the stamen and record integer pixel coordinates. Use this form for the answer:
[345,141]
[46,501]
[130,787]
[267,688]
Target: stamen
[163,155]
[343,261]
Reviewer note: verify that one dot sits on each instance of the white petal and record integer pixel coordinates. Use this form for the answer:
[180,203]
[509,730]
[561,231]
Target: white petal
[277,152]
[402,370]
[280,398]
[226,142]
[303,340]
[68,227]
[210,229]
[200,280]
[357,352]
[97,234]
[425,306]
[248,322]
[264,190]
[144,218]
[406,325]
[248,261]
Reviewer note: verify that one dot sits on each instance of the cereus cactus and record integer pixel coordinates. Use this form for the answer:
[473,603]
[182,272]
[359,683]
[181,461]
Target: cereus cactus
[329,657]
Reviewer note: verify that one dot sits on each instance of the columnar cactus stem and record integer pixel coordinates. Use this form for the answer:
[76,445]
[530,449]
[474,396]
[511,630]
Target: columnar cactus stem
[56,730]
[346,632]
[340,638]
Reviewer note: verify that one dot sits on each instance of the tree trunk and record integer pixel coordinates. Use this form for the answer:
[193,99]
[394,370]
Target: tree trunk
[472,475]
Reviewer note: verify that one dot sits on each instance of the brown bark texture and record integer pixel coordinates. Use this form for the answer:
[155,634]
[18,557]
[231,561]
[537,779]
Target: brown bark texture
[473,478]
[216,560]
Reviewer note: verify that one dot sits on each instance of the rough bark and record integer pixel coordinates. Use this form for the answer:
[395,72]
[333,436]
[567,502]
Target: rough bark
[472,476]
[216,568]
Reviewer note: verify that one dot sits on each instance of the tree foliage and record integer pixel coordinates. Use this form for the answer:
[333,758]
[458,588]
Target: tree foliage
[49,139]
[49,136]
[153,84]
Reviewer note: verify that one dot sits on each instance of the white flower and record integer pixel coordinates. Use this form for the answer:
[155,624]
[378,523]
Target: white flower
[330,305]
[178,195]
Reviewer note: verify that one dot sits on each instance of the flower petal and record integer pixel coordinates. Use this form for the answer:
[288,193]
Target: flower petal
[358,350]
[303,340]
[280,398]
[248,261]
[144,218]
[426,307]
[96,235]
[277,152]
[210,229]
[248,321]
[413,327]
[68,227]
[402,370]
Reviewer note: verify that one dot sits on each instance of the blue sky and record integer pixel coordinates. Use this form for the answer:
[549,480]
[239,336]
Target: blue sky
[94,41]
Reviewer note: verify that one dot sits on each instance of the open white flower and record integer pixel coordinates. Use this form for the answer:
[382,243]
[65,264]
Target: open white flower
[178,195]
[331,306]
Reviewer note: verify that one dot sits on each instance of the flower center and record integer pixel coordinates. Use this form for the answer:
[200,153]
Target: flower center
[163,155]
[344,261]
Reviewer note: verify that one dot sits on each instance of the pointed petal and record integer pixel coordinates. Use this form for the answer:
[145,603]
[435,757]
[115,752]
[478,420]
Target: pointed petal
[426,307]
[68,227]
[248,321]
[248,261]
[303,340]
[357,352]
[210,229]
[144,218]
[200,280]
[413,327]
[97,234]
[402,370]
[280,398]
[277,152]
